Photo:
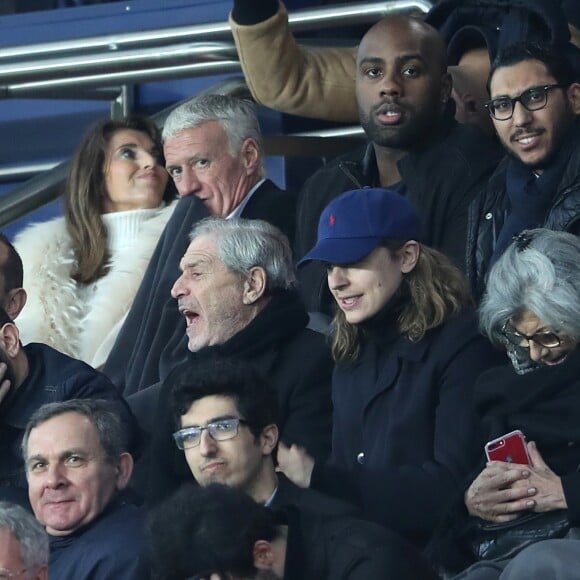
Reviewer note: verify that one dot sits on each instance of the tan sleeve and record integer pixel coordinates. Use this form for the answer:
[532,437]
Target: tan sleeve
[312,82]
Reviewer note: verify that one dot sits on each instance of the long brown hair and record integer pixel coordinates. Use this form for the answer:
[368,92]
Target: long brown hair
[437,291]
[85,191]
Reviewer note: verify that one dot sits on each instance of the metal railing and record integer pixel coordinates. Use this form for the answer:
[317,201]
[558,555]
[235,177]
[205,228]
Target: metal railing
[96,67]
[48,186]
[301,21]
[62,68]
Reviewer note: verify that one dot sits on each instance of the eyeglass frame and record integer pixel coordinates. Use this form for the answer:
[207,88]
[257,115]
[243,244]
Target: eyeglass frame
[545,90]
[505,330]
[238,420]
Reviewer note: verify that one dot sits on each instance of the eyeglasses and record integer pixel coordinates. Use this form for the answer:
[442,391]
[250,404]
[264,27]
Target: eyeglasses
[547,339]
[223,430]
[534,99]
[6,574]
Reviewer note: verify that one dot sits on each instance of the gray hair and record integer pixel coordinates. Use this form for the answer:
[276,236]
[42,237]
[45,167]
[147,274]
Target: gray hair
[243,244]
[114,435]
[540,272]
[237,117]
[29,533]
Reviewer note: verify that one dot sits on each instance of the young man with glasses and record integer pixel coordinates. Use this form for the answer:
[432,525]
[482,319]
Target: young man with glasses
[225,430]
[225,416]
[534,106]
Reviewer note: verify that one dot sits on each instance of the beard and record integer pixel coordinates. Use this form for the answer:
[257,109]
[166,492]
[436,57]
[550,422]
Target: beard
[417,124]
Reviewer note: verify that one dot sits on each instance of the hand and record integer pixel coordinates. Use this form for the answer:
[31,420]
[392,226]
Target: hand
[549,493]
[295,463]
[493,495]
[5,384]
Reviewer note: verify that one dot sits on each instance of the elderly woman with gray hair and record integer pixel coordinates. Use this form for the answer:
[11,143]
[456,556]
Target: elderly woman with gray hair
[532,309]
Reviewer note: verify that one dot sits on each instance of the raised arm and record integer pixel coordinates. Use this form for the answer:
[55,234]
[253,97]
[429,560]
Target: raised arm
[312,82]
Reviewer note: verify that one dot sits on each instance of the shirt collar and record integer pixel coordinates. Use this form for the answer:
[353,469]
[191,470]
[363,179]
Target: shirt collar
[269,501]
[240,208]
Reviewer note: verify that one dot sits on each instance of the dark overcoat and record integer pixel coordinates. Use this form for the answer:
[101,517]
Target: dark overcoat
[405,433]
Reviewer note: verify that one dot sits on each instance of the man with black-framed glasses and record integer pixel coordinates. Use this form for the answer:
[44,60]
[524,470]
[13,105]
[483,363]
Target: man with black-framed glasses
[534,106]
[223,428]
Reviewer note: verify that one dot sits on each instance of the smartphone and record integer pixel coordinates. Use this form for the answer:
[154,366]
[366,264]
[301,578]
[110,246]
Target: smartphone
[510,448]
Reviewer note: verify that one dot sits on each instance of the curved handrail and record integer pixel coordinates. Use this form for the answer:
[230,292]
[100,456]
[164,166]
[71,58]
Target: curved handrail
[105,61]
[26,71]
[300,21]
[48,186]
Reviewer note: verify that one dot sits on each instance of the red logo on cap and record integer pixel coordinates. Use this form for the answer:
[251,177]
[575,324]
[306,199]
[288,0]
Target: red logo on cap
[331,219]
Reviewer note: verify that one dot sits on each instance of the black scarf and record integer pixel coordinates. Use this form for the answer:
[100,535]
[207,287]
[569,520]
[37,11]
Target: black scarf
[382,329]
[531,197]
[283,316]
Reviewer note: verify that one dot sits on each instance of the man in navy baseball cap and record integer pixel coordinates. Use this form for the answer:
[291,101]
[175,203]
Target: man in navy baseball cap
[356,222]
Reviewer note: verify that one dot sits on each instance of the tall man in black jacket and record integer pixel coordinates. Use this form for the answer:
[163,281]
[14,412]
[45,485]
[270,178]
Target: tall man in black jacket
[31,376]
[404,99]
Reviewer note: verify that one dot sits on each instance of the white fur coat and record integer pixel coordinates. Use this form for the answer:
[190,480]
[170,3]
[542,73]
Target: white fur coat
[54,313]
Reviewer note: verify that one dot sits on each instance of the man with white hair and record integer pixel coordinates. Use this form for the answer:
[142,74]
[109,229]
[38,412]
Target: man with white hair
[23,545]
[212,146]
[237,298]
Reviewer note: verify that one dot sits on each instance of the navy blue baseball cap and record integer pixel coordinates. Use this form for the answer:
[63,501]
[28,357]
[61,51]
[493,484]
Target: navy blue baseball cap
[356,222]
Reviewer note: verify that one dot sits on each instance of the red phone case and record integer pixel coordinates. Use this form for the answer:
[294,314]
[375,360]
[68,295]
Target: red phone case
[510,448]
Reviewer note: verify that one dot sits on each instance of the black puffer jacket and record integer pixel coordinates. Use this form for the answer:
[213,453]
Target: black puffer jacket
[488,212]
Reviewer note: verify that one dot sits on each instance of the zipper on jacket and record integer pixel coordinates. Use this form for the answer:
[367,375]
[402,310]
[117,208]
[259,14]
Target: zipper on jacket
[349,174]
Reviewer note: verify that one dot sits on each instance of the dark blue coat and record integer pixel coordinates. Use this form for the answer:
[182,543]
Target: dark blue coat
[112,547]
[404,431]
[52,377]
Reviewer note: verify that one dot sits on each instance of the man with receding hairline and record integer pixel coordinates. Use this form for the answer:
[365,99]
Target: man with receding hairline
[30,376]
[403,93]
[78,466]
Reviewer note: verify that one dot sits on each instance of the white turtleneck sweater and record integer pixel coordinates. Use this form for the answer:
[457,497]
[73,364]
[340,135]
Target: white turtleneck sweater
[123,229]
[83,320]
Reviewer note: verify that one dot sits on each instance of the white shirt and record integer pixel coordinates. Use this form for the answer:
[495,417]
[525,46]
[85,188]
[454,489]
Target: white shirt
[240,208]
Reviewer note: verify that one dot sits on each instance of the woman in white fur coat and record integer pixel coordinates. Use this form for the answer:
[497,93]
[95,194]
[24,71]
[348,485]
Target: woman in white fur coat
[82,271]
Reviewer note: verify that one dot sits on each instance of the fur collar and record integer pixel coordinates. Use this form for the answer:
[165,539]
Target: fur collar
[63,314]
